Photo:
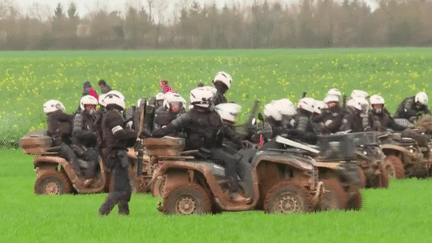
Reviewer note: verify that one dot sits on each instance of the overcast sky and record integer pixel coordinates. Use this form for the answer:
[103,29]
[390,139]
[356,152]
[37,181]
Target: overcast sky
[84,6]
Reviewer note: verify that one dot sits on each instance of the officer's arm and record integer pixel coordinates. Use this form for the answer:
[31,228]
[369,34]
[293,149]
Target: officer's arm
[346,123]
[178,123]
[408,109]
[426,110]
[302,124]
[115,124]
[231,135]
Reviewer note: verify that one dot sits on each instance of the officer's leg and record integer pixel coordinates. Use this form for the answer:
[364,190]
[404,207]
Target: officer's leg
[114,195]
[244,170]
[122,184]
[67,153]
[225,159]
[92,158]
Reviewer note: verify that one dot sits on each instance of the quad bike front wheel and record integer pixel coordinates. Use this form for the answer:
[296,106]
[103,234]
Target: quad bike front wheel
[394,167]
[287,197]
[380,179]
[186,199]
[52,182]
[355,202]
[335,197]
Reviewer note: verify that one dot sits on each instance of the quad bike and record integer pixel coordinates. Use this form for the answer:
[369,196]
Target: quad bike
[283,181]
[55,175]
[371,159]
[337,162]
[405,157]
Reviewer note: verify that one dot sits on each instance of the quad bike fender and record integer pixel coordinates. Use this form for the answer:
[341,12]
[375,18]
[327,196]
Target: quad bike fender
[190,168]
[290,161]
[386,148]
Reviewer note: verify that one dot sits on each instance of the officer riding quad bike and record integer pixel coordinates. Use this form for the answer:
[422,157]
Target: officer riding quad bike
[283,181]
[371,159]
[55,175]
[339,171]
[404,157]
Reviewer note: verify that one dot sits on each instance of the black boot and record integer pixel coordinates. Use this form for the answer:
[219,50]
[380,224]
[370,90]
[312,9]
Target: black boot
[123,205]
[112,199]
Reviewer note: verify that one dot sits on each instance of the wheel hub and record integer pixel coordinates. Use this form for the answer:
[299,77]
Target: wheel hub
[390,171]
[186,205]
[288,204]
[52,188]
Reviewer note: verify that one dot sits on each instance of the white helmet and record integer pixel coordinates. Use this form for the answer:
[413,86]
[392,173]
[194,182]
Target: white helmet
[320,106]
[359,94]
[307,104]
[201,97]
[87,100]
[172,98]
[228,111]
[101,100]
[211,89]
[334,92]
[224,78]
[53,105]
[114,98]
[421,98]
[160,96]
[331,98]
[360,104]
[285,107]
[270,110]
[376,100]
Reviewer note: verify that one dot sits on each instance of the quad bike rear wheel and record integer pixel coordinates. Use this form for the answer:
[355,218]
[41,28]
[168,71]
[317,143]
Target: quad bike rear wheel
[394,167]
[186,199]
[381,179]
[287,197]
[335,197]
[158,187]
[52,182]
[362,177]
[355,202]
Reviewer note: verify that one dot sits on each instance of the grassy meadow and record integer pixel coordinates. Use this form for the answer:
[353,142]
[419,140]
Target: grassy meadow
[397,214]
[28,79]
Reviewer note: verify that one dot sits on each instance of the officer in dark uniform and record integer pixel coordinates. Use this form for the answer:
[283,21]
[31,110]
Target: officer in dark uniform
[203,127]
[60,129]
[413,107]
[303,129]
[84,141]
[105,88]
[116,140]
[173,106]
[331,118]
[222,82]
[381,116]
[359,119]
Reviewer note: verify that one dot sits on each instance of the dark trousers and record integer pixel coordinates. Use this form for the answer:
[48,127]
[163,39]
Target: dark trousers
[230,162]
[117,162]
[67,153]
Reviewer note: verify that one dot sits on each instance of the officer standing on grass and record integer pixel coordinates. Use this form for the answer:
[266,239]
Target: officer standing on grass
[116,140]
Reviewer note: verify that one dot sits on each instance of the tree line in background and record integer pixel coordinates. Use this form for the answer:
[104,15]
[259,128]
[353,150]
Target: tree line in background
[308,24]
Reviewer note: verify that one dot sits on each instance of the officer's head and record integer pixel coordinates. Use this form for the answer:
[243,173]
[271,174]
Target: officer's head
[114,100]
[320,106]
[377,103]
[201,98]
[52,106]
[174,102]
[306,105]
[334,92]
[102,83]
[222,82]
[332,102]
[360,105]
[228,112]
[88,103]
[159,99]
[421,99]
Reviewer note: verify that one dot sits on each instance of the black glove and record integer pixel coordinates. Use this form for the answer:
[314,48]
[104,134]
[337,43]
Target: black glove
[247,144]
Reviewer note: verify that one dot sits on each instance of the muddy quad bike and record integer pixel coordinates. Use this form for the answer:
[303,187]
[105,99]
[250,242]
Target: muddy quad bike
[404,156]
[371,159]
[55,175]
[339,171]
[283,181]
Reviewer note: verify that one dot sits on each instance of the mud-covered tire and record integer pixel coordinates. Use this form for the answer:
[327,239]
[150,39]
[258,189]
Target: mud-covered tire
[355,202]
[157,189]
[287,197]
[335,197]
[362,177]
[382,179]
[394,167]
[52,182]
[186,199]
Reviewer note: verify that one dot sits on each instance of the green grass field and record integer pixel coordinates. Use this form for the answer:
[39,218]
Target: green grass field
[28,79]
[398,214]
